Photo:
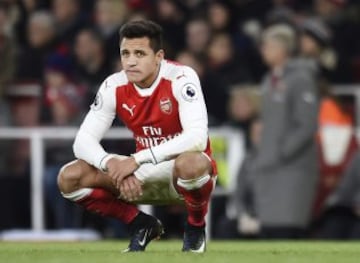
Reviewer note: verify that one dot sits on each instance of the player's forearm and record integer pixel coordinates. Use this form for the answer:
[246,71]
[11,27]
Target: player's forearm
[192,140]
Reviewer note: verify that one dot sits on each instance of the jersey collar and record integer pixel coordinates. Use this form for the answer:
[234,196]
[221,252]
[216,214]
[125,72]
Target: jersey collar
[147,92]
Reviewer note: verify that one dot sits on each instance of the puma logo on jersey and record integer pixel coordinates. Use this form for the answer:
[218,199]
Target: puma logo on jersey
[131,110]
[180,76]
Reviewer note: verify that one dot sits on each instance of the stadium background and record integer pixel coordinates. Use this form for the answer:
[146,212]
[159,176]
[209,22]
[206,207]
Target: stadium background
[54,54]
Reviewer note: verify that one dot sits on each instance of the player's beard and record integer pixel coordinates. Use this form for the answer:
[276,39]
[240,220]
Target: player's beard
[146,81]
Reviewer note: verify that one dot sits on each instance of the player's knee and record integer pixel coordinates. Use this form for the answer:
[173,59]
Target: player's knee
[69,177]
[191,165]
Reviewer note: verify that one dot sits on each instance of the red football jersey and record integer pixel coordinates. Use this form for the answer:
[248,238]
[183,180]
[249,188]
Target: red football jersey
[166,119]
[153,119]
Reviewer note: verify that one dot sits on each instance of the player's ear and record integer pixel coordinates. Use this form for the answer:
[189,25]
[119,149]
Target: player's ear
[160,55]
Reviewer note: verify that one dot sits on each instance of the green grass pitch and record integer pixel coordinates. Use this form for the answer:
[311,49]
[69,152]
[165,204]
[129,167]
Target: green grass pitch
[169,252]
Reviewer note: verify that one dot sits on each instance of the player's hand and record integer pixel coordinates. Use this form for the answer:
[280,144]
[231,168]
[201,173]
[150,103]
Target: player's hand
[118,169]
[131,188]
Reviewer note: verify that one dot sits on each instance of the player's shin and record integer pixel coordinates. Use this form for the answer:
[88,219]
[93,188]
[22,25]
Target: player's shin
[196,193]
[104,203]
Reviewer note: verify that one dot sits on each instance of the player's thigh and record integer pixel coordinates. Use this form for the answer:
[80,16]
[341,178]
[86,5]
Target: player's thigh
[158,185]
[79,174]
[93,177]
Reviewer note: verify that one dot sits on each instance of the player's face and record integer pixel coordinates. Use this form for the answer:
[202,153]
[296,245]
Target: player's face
[139,61]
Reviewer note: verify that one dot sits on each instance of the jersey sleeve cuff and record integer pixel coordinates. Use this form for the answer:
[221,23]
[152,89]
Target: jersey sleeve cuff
[145,156]
[104,161]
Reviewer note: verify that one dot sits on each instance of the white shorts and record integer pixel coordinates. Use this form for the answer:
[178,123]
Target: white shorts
[158,182]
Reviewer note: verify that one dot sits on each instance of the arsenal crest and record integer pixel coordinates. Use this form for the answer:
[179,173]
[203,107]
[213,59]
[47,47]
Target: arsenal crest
[166,105]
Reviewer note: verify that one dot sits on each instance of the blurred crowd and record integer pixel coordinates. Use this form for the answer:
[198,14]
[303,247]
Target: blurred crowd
[54,54]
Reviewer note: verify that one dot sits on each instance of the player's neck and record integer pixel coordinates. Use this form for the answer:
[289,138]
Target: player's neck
[146,83]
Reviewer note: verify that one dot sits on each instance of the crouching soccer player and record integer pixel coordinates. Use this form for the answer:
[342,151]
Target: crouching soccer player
[162,103]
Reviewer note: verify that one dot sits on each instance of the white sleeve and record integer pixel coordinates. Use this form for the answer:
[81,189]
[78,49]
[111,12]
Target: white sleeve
[98,120]
[193,118]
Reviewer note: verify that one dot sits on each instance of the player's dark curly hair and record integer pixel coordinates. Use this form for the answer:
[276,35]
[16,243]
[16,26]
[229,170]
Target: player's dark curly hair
[143,28]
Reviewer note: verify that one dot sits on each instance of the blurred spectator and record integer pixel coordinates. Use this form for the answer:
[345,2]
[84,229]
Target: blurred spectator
[145,6]
[246,41]
[197,35]
[329,9]
[338,15]
[286,163]
[25,103]
[18,107]
[240,219]
[91,65]
[69,19]
[220,51]
[22,13]
[64,97]
[224,62]
[41,30]
[220,16]
[170,14]
[41,35]
[24,107]
[315,46]
[244,107]
[315,39]
[24,99]
[214,92]
[64,102]
[226,67]
[7,53]
[109,16]
[280,14]
[196,62]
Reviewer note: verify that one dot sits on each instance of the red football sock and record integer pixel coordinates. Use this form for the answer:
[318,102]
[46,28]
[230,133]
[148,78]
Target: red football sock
[105,203]
[196,193]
